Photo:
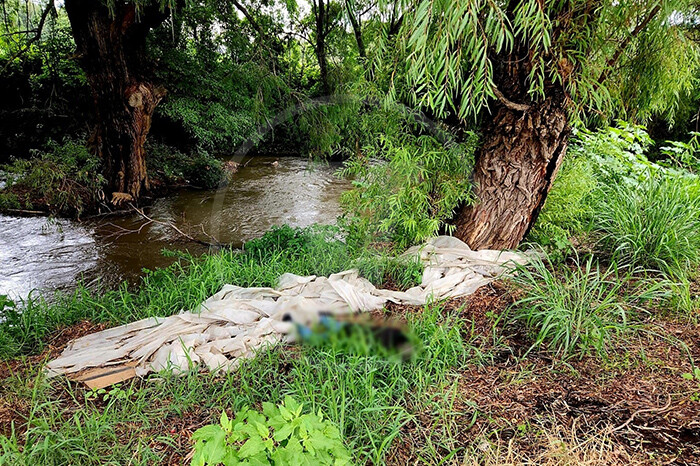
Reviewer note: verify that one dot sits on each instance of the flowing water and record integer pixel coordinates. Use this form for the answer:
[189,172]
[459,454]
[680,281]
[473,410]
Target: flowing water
[41,254]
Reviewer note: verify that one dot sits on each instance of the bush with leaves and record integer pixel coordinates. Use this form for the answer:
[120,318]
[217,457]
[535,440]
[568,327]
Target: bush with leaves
[599,162]
[682,154]
[569,205]
[280,435]
[406,186]
[221,88]
[63,178]
[198,168]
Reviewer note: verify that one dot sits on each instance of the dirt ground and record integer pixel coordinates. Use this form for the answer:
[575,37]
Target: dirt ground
[16,409]
[633,408]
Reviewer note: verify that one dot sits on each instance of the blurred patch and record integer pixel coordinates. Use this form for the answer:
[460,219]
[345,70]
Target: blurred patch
[359,334]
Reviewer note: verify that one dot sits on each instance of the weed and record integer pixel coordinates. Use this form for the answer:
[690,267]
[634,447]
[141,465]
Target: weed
[654,225]
[199,168]
[279,435]
[115,392]
[574,310]
[569,205]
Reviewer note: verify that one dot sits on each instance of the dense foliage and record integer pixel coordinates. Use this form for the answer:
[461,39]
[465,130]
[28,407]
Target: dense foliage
[279,435]
[615,58]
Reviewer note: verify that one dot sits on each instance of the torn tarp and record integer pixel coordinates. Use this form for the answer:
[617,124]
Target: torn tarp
[236,321]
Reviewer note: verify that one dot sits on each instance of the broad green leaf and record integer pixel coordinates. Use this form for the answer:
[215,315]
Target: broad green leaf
[251,447]
[283,432]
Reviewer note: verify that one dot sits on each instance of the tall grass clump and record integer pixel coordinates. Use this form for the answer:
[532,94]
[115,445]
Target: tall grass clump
[579,309]
[654,225]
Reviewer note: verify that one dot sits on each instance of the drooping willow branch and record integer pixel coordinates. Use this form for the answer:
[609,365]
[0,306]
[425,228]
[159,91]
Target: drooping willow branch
[50,7]
[626,42]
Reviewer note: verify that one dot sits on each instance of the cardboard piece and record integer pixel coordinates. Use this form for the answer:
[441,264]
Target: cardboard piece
[103,377]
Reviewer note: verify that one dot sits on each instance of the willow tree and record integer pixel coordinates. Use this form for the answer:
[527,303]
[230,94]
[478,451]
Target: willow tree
[111,43]
[526,70]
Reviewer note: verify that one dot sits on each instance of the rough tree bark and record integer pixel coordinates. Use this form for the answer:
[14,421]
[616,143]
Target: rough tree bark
[112,50]
[522,151]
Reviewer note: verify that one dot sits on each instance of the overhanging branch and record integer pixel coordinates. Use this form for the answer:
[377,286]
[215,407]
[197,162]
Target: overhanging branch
[626,42]
[37,33]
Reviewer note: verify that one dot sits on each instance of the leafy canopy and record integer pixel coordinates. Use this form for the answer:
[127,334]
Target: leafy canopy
[609,57]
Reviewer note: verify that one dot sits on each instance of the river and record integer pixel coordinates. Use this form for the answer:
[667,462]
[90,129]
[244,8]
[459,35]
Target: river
[38,254]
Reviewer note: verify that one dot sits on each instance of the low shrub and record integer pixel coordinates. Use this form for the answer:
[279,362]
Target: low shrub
[683,154]
[569,206]
[406,188]
[280,435]
[171,166]
[63,179]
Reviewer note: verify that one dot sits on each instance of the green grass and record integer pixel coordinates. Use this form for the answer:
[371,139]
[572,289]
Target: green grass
[370,396]
[654,225]
[577,310]
[569,205]
[185,284]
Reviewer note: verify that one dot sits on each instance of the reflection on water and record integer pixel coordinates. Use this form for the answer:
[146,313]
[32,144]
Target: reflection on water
[49,255]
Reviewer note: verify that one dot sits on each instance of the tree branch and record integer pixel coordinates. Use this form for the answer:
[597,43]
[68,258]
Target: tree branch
[626,42]
[509,103]
[37,33]
[149,220]
[248,16]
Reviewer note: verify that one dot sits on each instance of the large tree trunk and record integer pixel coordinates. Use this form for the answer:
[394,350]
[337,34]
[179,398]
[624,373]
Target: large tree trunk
[111,46]
[515,168]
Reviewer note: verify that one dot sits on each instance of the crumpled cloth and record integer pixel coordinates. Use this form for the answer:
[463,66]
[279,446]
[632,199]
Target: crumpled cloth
[236,322]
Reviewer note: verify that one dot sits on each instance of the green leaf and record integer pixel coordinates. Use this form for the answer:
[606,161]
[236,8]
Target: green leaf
[231,458]
[251,447]
[283,432]
[262,429]
[207,432]
[214,449]
[277,422]
[224,421]
[291,404]
[286,414]
[270,410]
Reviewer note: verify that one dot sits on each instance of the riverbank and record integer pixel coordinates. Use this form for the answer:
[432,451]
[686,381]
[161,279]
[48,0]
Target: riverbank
[64,179]
[479,388]
[587,356]
[470,395]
